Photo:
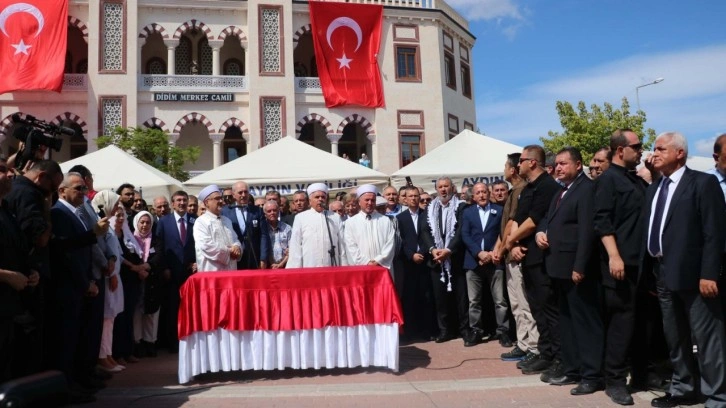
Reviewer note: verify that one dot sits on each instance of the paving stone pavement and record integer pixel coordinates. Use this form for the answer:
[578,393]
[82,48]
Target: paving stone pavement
[431,375]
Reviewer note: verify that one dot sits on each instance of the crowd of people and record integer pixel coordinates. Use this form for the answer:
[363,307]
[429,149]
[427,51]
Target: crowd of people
[583,278]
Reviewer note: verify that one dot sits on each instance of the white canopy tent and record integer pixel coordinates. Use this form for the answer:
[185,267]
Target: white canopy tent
[700,163]
[286,166]
[112,167]
[467,158]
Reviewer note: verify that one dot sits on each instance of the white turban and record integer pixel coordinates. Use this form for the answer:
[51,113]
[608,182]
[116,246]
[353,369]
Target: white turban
[208,190]
[381,201]
[317,187]
[366,188]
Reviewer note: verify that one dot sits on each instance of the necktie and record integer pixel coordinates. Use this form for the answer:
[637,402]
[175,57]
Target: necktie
[559,198]
[182,231]
[368,216]
[85,219]
[654,241]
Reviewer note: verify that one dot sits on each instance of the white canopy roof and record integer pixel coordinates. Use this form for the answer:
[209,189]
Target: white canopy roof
[467,158]
[286,166]
[701,163]
[112,167]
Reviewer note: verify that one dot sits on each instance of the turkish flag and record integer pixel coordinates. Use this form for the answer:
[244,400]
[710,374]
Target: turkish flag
[347,38]
[32,44]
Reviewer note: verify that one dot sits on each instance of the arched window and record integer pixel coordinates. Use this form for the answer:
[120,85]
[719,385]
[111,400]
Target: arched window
[233,66]
[183,56]
[205,57]
[156,66]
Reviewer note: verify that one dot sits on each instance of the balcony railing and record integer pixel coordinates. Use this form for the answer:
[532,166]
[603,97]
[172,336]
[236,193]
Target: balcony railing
[307,85]
[75,82]
[181,83]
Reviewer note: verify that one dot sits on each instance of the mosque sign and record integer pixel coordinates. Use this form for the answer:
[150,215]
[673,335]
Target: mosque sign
[192,97]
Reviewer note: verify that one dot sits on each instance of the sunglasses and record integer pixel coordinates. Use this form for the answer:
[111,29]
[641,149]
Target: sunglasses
[524,159]
[636,146]
[426,200]
[82,189]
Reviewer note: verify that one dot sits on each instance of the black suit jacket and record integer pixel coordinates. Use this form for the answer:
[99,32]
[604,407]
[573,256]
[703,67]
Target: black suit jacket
[455,244]
[569,231]
[412,238]
[694,232]
[256,238]
[179,258]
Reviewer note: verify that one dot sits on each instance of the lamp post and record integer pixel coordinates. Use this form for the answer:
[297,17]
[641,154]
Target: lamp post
[637,96]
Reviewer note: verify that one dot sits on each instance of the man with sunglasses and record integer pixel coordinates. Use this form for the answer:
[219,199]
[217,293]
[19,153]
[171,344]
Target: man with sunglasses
[618,221]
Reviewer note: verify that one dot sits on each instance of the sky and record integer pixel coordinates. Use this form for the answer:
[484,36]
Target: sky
[531,53]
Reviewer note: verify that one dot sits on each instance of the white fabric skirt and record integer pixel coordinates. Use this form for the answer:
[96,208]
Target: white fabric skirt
[329,347]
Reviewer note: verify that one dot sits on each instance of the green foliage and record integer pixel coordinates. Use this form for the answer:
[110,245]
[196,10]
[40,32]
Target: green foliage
[152,147]
[591,130]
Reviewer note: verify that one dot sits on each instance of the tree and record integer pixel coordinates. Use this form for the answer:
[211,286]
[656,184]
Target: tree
[590,131]
[152,147]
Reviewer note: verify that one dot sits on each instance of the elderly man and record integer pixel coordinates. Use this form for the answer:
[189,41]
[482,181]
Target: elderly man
[316,233]
[193,206]
[442,238]
[279,234]
[392,206]
[300,203]
[339,208]
[138,203]
[161,207]
[369,236]
[685,214]
[249,223]
[216,245]
[480,228]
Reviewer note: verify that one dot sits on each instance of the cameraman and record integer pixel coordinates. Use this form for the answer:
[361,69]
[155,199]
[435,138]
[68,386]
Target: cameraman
[30,200]
[15,277]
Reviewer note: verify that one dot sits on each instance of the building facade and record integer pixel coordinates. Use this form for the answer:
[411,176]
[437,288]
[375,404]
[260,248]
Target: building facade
[232,76]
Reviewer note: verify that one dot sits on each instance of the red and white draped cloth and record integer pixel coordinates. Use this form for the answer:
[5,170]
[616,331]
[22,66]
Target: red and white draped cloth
[293,318]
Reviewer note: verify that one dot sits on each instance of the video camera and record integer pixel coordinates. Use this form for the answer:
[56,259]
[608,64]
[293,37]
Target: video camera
[34,133]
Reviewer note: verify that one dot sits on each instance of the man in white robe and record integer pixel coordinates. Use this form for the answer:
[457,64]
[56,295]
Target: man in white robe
[316,233]
[369,236]
[217,246]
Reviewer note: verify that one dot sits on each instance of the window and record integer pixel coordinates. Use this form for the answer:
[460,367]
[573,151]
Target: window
[465,80]
[407,64]
[453,126]
[450,70]
[410,147]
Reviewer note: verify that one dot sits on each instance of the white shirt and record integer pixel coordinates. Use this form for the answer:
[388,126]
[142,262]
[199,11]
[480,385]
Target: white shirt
[414,218]
[675,179]
[484,218]
[214,238]
[370,239]
[310,242]
[74,210]
[720,178]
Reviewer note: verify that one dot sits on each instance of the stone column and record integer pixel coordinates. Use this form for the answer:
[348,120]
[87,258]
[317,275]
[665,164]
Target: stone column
[334,139]
[173,137]
[171,45]
[374,150]
[216,148]
[216,46]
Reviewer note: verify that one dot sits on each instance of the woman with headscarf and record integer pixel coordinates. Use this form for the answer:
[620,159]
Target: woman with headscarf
[106,203]
[146,313]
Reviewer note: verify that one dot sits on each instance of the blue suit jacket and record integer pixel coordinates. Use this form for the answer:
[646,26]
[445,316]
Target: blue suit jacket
[256,238]
[70,250]
[472,233]
[179,258]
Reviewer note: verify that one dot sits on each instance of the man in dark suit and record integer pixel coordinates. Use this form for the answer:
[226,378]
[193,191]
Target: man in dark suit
[416,296]
[71,279]
[250,224]
[175,232]
[443,241]
[533,204]
[480,226]
[300,203]
[567,239]
[686,214]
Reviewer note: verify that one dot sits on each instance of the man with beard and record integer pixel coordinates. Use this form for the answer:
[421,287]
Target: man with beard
[127,199]
[315,239]
[443,240]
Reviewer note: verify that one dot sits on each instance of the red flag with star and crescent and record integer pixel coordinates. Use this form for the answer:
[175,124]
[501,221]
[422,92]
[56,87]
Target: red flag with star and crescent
[347,38]
[32,44]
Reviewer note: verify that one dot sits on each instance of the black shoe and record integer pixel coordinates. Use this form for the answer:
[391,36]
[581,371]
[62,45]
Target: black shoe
[619,395]
[151,349]
[516,354]
[537,366]
[564,380]
[140,349]
[556,370]
[585,388]
[668,401]
[505,341]
[653,382]
[443,337]
[527,360]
